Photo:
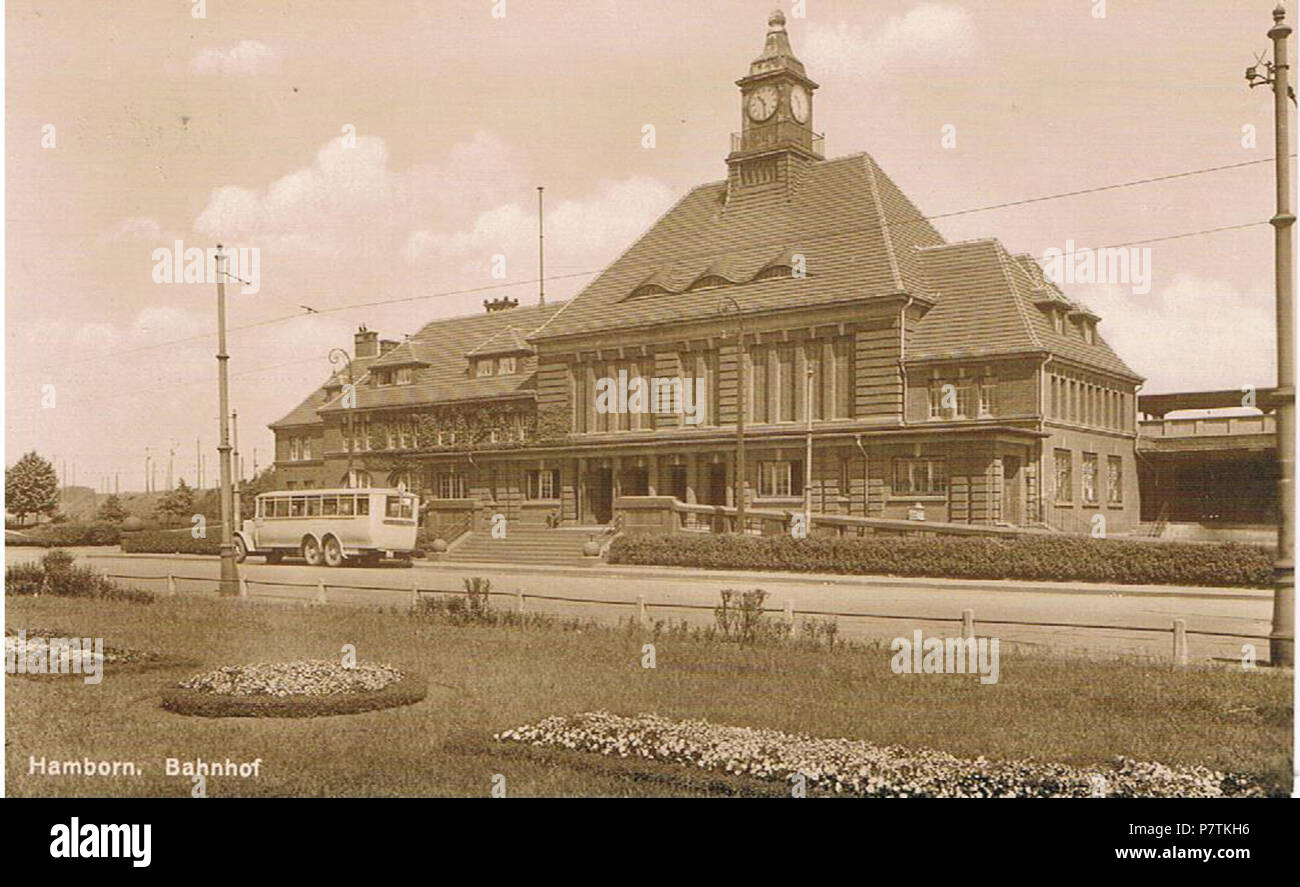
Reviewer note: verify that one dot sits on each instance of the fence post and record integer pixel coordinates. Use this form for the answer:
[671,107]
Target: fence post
[171,585]
[320,592]
[415,597]
[789,612]
[243,587]
[1180,641]
[640,609]
[967,624]
[519,600]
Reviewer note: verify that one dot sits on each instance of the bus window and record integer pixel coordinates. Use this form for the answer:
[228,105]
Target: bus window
[313,506]
[408,507]
[347,505]
[363,504]
[330,506]
[260,503]
[393,506]
[281,507]
[297,506]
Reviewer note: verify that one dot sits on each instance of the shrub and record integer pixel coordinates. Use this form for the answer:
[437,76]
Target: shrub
[66,534]
[740,618]
[1051,558]
[58,575]
[165,542]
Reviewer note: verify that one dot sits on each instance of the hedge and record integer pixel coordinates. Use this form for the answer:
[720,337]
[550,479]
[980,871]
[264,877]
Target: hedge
[64,535]
[56,575]
[168,542]
[408,691]
[1051,558]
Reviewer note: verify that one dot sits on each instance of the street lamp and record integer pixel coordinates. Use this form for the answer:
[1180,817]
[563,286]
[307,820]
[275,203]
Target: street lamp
[349,397]
[740,408]
[1282,636]
[229,584]
[808,455]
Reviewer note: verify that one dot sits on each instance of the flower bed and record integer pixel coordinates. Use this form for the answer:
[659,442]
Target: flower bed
[304,688]
[1049,558]
[69,534]
[856,767]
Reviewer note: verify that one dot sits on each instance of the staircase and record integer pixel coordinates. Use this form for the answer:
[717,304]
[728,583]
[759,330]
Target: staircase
[525,545]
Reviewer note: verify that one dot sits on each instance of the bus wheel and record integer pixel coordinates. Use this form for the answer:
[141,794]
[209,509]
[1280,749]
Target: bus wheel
[241,550]
[333,552]
[311,551]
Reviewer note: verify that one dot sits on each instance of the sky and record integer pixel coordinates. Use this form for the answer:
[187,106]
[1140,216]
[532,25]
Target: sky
[387,152]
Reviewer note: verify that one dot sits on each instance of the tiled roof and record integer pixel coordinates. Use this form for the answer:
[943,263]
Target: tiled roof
[845,216]
[445,375]
[988,304]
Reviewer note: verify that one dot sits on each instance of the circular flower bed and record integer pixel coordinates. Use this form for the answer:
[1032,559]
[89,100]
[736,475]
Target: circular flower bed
[69,646]
[300,689]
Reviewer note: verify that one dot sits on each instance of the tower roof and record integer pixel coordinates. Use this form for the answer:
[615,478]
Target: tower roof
[777,53]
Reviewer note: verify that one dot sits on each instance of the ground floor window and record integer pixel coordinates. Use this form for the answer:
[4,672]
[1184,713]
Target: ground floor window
[1064,476]
[543,483]
[780,479]
[1114,480]
[920,477]
[356,478]
[1089,482]
[451,485]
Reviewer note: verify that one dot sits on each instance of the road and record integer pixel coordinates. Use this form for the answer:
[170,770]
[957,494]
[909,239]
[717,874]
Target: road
[889,607]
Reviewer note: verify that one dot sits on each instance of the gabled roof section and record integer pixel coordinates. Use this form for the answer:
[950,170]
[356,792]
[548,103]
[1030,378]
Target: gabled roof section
[988,304]
[404,354]
[847,219]
[442,374]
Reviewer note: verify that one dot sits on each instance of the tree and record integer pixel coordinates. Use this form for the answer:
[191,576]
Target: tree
[265,482]
[111,511]
[31,487]
[177,506]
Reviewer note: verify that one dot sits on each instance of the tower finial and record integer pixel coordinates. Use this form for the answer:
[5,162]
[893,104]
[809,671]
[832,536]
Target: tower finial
[1279,12]
[776,21]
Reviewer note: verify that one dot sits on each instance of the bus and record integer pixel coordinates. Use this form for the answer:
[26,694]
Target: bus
[331,526]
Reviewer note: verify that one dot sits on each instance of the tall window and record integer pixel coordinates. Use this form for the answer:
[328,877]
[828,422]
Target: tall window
[1114,480]
[951,399]
[542,483]
[787,384]
[1089,480]
[758,401]
[451,485]
[1064,476]
[920,477]
[988,389]
[403,376]
[295,449]
[780,479]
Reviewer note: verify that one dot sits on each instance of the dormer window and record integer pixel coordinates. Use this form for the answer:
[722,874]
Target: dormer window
[383,377]
[650,289]
[403,376]
[709,281]
[1058,322]
[507,366]
[484,368]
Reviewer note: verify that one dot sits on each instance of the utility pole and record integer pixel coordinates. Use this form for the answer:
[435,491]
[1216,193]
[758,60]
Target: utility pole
[239,475]
[349,401]
[229,572]
[1281,639]
[740,411]
[541,253]
[171,467]
[808,455]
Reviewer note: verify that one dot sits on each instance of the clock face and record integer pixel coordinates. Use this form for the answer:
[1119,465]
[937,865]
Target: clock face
[762,103]
[799,104]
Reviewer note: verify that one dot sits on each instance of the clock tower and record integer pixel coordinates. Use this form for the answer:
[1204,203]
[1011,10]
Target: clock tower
[776,139]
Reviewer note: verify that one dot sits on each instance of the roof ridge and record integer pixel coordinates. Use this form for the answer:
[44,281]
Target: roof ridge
[870,165]
[1004,261]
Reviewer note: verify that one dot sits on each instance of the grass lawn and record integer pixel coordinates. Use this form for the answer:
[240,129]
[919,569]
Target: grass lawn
[486,679]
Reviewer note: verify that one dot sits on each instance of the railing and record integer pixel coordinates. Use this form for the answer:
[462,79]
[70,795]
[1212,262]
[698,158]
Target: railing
[1208,426]
[667,514]
[781,132]
[641,608]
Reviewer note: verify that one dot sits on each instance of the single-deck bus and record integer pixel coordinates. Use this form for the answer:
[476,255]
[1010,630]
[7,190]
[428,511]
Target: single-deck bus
[330,526]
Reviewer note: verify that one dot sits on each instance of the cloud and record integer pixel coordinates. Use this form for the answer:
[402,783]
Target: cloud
[1232,332]
[927,35]
[133,228]
[244,59]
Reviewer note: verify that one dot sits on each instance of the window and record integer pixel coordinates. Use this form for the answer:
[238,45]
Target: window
[398,508]
[988,388]
[1114,480]
[406,435]
[329,506]
[313,506]
[306,448]
[785,367]
[384,377]
[774,479]
[356,479]
[298,506]
[363,505]
[295,449]
[920,477]
[1064,476]
[1089,479]
[347,505]
[506,366]
[485,367]
[950,400]
[403,376]
[542,483]
[451,485]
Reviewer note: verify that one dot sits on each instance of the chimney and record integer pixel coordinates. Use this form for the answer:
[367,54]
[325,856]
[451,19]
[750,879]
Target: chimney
[502,304]
[387,345]
[366,343]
